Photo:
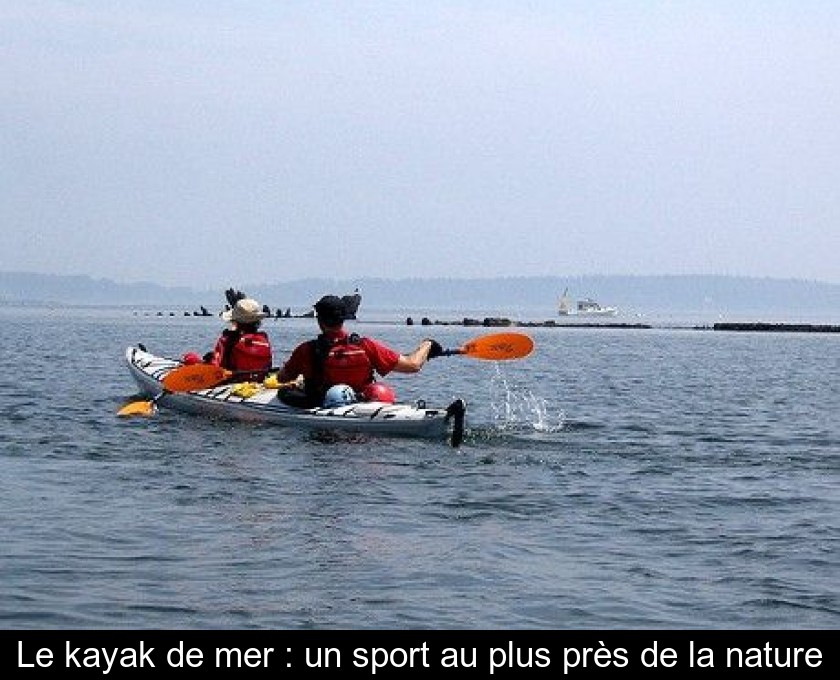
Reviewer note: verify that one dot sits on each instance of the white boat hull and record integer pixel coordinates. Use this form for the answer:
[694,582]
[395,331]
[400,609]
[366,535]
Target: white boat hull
[604,311]
[378,418]
[586,307]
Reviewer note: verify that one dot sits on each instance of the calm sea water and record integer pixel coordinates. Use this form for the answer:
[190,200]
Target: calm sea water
[615,479]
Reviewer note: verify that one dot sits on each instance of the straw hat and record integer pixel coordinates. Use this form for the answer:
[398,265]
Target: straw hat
[245,311]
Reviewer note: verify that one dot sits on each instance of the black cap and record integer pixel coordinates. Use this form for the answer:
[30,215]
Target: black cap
[331,310]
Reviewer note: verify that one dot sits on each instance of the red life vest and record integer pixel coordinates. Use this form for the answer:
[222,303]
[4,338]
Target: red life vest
[346,362]
[243,351]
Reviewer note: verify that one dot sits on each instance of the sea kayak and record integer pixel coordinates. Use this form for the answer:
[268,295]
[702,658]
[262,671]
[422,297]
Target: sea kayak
[254,402]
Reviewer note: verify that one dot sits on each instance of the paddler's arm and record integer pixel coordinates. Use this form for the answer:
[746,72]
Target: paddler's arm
[413,362]
[295,365]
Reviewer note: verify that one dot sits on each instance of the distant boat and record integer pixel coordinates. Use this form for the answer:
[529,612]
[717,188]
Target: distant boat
[351,303]
[588,307]
[584,307]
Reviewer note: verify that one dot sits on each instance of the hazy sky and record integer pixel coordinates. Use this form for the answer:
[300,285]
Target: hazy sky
[208,143]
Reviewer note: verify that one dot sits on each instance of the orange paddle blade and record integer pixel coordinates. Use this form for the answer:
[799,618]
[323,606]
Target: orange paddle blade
[499,347]
[137,408]
[195,377]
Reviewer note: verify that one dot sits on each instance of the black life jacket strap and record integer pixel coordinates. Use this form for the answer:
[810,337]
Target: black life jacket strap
[232,340]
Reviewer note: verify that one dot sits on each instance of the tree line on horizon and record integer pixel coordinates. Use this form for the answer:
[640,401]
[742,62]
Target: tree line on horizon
[660,292]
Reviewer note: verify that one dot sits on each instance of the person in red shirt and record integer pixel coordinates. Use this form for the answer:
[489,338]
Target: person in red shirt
[243,347]
[337,357]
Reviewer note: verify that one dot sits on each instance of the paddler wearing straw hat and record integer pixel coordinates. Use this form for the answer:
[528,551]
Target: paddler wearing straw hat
[243,346]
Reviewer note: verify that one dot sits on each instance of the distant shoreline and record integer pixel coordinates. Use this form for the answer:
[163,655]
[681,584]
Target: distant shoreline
[750,298]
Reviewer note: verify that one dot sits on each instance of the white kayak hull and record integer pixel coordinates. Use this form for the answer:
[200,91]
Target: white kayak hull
[377,418]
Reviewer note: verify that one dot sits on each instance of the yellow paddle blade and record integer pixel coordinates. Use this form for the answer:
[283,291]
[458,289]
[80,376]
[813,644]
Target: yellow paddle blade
[499,347]
[195,377]
[137,408]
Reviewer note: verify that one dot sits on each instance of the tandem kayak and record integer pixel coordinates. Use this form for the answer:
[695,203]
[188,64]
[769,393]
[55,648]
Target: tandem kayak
[253,402]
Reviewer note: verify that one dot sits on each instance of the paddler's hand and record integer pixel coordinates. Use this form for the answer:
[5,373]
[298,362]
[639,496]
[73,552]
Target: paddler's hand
[435,350]
[272,382]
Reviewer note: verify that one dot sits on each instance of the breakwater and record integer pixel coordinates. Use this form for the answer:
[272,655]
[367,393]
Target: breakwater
[503,322]
[778,327]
